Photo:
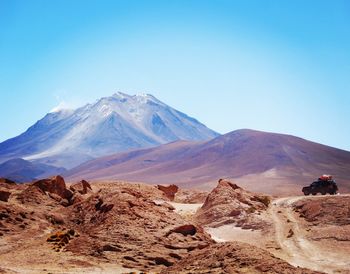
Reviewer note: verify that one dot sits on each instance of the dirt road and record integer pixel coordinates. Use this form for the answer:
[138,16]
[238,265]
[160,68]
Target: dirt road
[295,248]
[288,239]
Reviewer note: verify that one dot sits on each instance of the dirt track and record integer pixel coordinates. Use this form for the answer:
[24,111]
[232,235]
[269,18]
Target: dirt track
[288,238]
[295,247]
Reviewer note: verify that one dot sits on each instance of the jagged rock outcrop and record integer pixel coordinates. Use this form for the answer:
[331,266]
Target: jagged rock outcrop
[169,191]
[54,185]
[229,203]
[123,226]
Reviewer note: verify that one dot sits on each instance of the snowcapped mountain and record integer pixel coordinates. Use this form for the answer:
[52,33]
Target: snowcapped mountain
[113,124]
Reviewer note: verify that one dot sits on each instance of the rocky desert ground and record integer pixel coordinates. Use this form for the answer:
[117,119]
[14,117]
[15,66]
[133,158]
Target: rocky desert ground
[48,226]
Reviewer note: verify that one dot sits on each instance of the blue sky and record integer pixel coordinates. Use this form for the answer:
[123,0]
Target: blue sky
[279,66]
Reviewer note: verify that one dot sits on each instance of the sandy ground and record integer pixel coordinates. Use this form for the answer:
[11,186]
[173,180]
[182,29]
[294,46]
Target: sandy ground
[185,209]
[230,232]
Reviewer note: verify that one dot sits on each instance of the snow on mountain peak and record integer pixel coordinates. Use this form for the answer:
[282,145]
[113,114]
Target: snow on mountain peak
[112,124]
[120,95]
[62,106]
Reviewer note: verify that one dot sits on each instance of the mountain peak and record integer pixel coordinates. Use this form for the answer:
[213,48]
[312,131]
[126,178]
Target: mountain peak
[112,124]
[139,98]
[120,95]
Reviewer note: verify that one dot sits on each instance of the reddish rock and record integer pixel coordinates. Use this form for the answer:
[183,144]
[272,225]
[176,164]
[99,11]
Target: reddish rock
[4,195]
[83,187]
[235,258]
[326,217]
[55,185]
[169,191]
[229,203]
[55,197]
[121,225]
[4,181]
[126,227]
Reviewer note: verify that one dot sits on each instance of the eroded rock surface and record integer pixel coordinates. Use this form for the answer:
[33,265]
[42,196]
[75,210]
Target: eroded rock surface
[54,185]
[233,258]
[169,191]
[229,203]
[327,218]
[120,227]
[83,187]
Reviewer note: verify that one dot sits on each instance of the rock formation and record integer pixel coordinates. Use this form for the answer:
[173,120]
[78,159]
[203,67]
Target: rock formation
[123,225]
[326,218]
[169,191]
[229,203]
[54,185]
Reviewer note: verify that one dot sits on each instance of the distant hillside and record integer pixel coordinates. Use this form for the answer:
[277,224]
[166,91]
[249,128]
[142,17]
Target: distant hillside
[260,161]
[20,170]
[113,124]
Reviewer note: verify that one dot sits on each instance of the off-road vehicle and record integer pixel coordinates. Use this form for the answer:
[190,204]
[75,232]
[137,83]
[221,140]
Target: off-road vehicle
[325,184]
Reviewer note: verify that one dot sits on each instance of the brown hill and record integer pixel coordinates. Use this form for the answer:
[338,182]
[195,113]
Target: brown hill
[259,161]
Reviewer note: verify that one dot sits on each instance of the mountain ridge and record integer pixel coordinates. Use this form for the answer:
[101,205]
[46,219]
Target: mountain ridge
[259,160]
[121,122]
[21,171]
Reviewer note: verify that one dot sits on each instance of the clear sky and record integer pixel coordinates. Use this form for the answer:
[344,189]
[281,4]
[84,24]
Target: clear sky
[279,66]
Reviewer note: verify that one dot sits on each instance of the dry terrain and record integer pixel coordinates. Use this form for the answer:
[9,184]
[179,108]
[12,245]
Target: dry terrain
[309,232]
[118,227]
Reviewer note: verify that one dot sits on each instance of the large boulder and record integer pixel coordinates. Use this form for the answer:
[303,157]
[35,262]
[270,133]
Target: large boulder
[229,203]
[54,185]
